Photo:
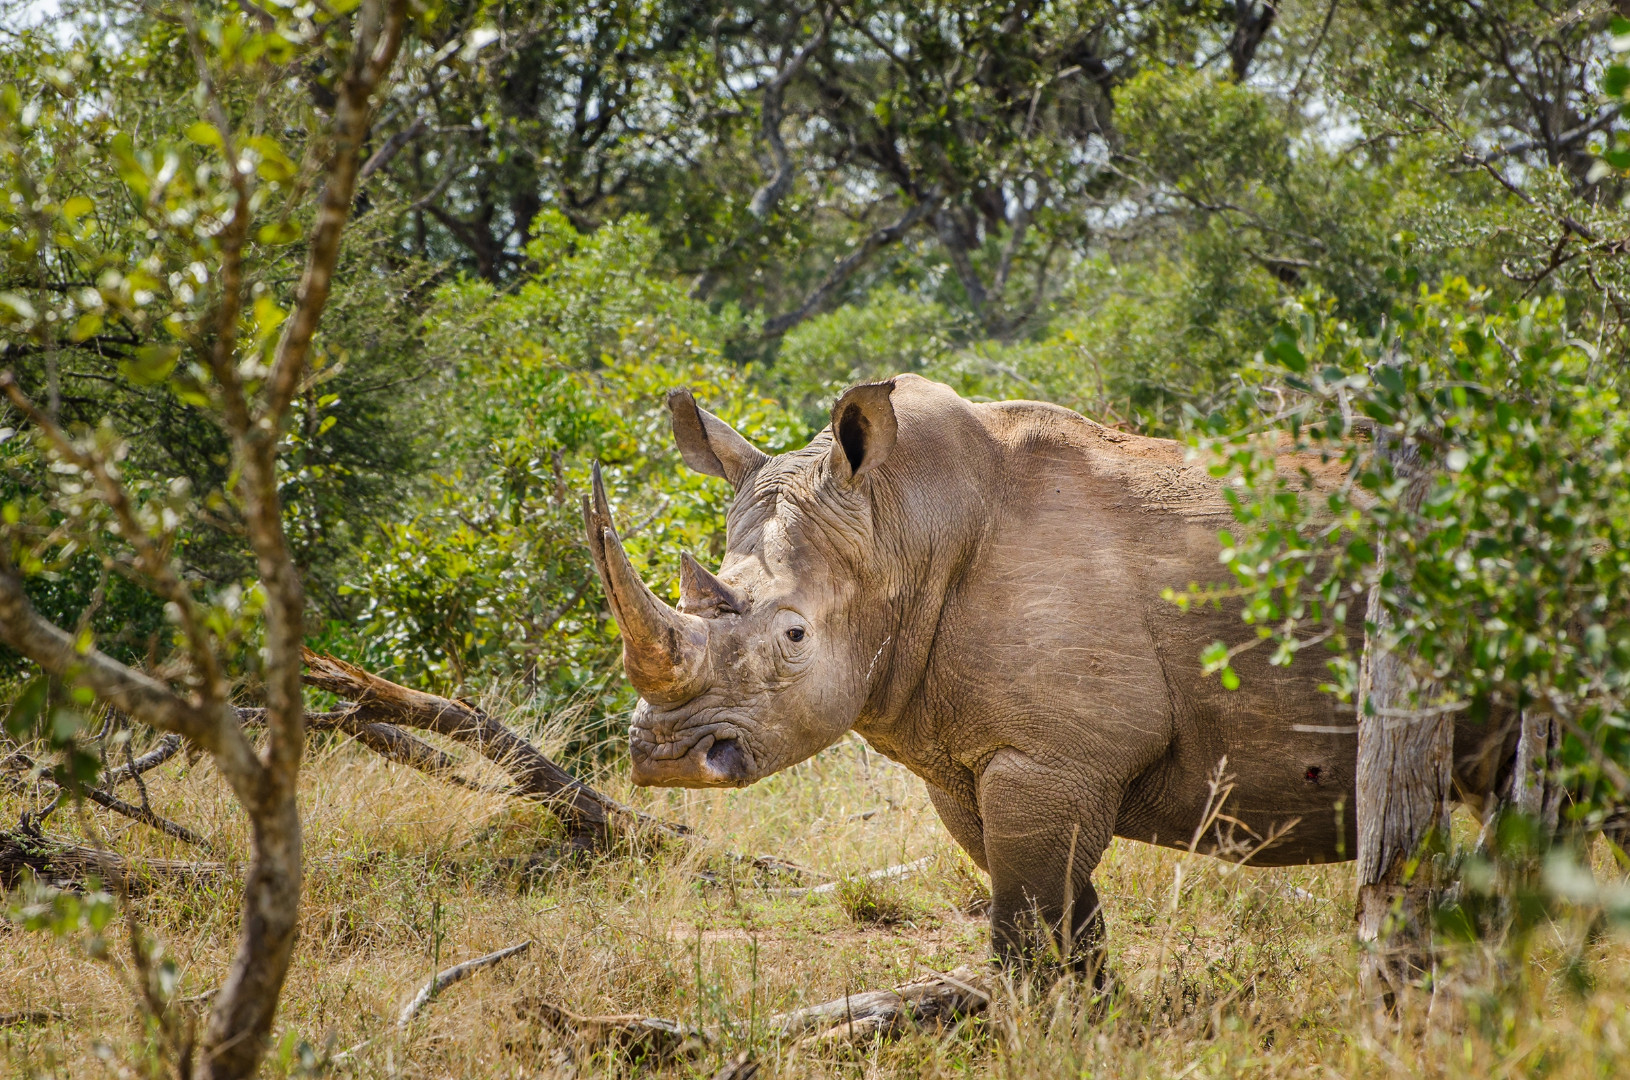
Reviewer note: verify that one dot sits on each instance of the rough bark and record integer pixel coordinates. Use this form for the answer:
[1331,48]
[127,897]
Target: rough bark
[1534,787]
[1252,21]
[1403,785]
[244,1011]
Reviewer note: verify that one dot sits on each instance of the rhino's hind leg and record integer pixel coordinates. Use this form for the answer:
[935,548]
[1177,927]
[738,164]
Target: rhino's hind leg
[962,823]
[1045,830]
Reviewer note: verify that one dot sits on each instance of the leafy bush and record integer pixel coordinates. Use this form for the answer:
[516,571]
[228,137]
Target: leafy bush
[1507,564]
[488,573]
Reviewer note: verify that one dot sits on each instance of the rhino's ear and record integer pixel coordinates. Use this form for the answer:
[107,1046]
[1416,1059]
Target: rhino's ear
[708,444]
[863,429]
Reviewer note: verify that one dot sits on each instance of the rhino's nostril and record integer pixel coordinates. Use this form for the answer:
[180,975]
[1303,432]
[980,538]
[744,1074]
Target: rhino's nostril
[725,757]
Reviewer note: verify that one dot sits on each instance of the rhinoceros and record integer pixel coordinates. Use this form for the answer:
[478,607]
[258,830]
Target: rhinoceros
[975,589]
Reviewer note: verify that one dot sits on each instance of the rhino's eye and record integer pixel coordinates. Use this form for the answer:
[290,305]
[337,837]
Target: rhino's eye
[795,634]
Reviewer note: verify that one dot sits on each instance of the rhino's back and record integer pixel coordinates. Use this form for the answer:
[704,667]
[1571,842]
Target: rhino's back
[1152,517]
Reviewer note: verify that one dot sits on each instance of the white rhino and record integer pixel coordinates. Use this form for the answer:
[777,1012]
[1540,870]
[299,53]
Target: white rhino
[976,590]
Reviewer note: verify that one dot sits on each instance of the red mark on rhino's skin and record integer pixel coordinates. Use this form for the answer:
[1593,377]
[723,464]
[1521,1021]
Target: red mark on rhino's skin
[1313,774]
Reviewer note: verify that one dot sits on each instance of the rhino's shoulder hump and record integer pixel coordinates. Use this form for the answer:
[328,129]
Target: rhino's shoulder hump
[1155,474]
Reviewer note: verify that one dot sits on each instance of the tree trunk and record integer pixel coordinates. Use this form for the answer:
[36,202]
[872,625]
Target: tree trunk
[1534,790]
[241,1022]
[1403,784]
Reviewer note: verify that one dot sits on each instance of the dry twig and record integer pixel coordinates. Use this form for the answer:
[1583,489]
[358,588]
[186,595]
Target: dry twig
[456,973]
[900,870]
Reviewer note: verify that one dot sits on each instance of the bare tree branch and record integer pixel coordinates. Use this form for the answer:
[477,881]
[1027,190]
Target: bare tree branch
[392,147]
[824,292]
[769,196]
[131,691]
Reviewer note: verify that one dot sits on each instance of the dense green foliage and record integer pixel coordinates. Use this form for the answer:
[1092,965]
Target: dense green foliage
[1209,217]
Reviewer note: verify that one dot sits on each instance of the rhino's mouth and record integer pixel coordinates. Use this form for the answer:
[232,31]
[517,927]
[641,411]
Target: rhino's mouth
[706,754]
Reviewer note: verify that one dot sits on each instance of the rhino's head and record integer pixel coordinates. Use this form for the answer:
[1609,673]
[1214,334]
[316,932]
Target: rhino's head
[770,660]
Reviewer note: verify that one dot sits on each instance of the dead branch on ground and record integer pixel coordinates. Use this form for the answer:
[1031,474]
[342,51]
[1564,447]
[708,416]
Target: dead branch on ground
[67,865]
[104,797]
[935,1001]
[377,710]
[592,819]
[456,973]
[888,873]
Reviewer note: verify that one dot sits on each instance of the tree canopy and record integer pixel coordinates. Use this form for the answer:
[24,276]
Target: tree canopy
[1192,219]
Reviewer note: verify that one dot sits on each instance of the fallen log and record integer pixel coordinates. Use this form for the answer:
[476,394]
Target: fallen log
[380,709]
[592,819]
[935,1001]
[67,865]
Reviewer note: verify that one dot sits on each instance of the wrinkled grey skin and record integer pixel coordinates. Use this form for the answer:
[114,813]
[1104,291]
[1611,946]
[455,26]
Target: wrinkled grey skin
[975,589]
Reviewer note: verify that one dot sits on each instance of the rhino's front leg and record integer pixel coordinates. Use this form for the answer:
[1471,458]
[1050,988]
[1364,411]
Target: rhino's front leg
[1045,826]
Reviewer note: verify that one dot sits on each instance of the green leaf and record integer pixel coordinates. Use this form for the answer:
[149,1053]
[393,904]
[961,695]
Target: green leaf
[85,327]
[76,208]
[1616,81]
[190,391]
[65,724]
[14,307]
[205,133]
[152,364]
[1285,351]
[1230,679]
[26,710]
[278,232]
[274,164]
[1619,29]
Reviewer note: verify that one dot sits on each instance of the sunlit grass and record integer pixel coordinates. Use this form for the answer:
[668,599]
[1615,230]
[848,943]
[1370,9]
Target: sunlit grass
[1240,972]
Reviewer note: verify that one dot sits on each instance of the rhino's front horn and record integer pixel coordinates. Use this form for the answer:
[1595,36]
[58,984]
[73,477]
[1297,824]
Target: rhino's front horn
[664,651]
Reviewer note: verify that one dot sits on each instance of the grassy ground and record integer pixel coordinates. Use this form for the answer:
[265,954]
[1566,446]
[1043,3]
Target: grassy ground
[1221,971]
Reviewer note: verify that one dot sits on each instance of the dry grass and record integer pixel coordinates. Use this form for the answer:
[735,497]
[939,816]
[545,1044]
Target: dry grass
[1243,972]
